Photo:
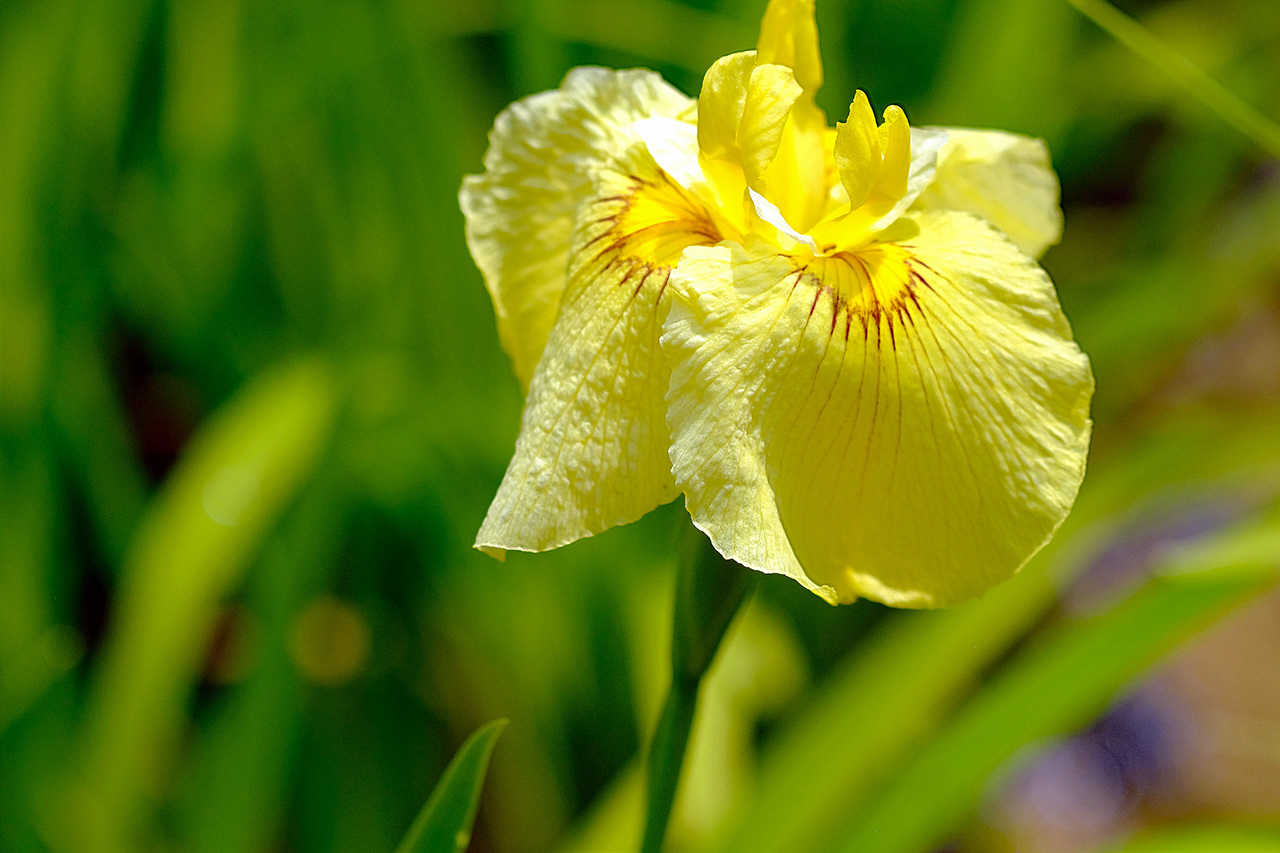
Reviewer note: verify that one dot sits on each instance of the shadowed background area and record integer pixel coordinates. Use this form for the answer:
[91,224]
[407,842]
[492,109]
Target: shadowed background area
[253,408]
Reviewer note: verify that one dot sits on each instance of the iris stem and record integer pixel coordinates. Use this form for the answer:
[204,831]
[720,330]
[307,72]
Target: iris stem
[710,590]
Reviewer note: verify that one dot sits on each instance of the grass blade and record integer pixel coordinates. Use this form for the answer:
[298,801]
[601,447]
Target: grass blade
[1058,684]
[444,824]
[1242,116]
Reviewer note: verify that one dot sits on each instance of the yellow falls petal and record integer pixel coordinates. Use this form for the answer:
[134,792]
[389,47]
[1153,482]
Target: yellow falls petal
[592,449]
[520,212]
[907,423]
[789,36]
[1006,179]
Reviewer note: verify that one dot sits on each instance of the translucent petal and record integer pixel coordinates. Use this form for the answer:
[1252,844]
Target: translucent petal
[907,423]
[925,145]
[1003,177]
[673,144]
[789,36]
[857,150]
[794,180]
[769,212]
[721,102]
[520,212]
[592,449]
[771,92]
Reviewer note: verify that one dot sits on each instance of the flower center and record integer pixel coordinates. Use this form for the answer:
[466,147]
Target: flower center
[879,281]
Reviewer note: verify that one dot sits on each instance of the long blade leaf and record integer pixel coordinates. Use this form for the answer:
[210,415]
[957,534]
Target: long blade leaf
[1206,839]
[1059,684]
[194,544]
[1243,116]
[444,824]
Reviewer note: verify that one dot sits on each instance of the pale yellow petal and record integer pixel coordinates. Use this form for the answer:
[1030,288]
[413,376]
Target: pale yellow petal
[908,423]
[520,212]
[673,144]
[857,150]
[796,179]
[592,449]
[1006,179]
[895,143]
[721,102]
[789,36]
[771,92]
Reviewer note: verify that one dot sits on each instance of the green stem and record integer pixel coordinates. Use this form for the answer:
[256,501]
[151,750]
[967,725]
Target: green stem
[710,590]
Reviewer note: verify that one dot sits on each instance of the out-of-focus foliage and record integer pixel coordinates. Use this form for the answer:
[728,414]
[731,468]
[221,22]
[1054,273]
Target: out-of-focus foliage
[253,407]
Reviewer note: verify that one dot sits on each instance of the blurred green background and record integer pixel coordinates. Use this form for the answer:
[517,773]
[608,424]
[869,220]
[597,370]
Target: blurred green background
[253,408]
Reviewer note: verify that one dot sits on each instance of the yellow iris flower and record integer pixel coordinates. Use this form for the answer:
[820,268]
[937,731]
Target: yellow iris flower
[836,343]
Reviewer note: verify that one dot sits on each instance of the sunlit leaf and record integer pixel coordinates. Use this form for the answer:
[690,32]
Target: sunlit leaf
[1063,680]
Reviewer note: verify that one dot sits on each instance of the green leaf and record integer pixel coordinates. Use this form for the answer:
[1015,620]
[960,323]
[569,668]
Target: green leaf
[1063,680]
[1243,116]
[195,542]
[1206,839]
[444,824]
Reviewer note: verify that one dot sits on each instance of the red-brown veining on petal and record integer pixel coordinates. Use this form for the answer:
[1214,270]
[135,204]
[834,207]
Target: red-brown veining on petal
[877,286]
[633,238]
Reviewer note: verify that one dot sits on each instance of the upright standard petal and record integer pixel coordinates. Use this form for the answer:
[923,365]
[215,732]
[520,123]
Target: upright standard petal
[520,212]
[908,422]
[592,449]
[1003,177]
[789,36]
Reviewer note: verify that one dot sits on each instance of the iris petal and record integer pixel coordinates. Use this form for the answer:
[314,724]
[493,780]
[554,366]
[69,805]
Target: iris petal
[592,449]
[907,423]
[789,36]
[1005,178]
[520,212]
